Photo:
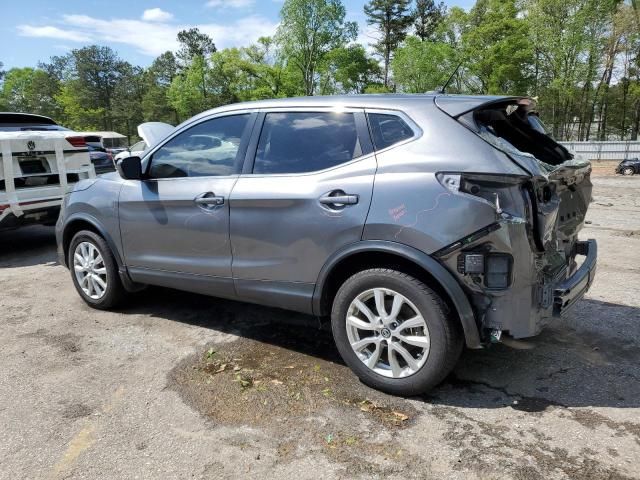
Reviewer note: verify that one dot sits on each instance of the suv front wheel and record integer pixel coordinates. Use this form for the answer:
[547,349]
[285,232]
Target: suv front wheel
[394,332]
[94,271]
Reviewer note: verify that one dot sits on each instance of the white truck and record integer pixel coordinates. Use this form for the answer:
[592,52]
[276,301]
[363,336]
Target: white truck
[40,162]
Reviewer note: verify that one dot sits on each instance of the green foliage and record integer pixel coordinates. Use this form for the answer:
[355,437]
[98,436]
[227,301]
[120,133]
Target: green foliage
[376,88]
[157,80]
[77,115]
[186,94]
[499,47]
[580,58]
[420,66]
[194,44]
[348,70]
[308,31]
[29,90]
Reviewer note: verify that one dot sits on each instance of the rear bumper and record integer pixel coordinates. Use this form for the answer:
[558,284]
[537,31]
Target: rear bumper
[30,213]
[572,289]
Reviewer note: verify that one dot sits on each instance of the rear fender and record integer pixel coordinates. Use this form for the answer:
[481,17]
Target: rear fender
[421,259]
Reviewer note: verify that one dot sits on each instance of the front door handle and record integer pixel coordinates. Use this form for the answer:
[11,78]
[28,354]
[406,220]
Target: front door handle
[339,199]
[209,199]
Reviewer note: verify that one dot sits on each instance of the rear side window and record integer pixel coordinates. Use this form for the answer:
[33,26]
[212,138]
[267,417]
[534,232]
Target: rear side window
[298,142]
[388,129]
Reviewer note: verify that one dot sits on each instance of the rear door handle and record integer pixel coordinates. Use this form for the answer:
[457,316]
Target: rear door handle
[339,199]
[209,199]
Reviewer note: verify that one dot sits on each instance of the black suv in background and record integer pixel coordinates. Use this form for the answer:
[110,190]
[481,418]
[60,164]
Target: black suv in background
[629,166]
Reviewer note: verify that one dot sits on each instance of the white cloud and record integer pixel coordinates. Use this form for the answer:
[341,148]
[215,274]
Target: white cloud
[229,3]
[156,15]
[147,37]
[150,38]
[242,32]
[51,32]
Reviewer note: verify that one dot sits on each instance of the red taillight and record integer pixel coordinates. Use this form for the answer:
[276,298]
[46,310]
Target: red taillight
[77,141]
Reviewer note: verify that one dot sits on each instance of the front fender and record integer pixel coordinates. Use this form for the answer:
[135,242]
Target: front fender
[73,221]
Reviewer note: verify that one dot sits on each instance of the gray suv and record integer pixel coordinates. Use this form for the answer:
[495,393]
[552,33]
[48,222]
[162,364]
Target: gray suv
[417,223]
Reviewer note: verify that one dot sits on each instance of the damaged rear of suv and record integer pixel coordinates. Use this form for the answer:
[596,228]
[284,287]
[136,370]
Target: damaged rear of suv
[522,270]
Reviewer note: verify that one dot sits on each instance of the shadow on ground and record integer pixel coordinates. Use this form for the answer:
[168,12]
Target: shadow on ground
[28,246]
[565,367]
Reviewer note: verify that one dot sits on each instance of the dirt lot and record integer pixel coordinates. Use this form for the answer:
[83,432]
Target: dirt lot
[179,385]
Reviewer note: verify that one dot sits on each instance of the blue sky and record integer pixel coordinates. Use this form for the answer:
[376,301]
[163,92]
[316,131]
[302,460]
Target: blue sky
[34,30]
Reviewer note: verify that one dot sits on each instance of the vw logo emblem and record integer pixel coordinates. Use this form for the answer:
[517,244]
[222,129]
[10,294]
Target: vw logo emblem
[31,145]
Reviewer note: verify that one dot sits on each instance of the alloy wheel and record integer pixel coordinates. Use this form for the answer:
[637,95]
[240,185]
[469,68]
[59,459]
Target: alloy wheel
[387,333]
[90,270]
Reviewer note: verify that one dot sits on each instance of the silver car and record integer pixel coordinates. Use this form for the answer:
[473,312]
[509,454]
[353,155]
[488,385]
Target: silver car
[417,223]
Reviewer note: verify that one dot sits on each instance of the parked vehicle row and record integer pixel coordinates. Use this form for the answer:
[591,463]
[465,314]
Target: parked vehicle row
[33,183]
[417,223]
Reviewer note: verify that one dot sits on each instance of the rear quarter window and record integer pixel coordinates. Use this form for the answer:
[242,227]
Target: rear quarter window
[388,129]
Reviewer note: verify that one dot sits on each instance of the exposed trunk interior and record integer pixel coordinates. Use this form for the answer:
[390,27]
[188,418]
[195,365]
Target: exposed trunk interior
[522,129]
[560,187]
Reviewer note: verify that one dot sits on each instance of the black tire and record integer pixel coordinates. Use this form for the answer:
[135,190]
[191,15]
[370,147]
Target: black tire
[628,171]
[445,337]
[115,293]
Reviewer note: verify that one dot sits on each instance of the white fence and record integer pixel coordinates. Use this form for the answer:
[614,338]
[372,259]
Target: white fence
[616,150]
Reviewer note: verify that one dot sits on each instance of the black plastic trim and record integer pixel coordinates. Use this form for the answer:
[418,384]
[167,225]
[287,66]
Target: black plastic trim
[569,291]
[477,235]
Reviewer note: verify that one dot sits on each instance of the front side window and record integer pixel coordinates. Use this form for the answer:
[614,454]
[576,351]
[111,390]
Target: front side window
[388,129]
[207,149]
[299,142]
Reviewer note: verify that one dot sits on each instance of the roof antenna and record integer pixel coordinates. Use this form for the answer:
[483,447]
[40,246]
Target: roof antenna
[443,89]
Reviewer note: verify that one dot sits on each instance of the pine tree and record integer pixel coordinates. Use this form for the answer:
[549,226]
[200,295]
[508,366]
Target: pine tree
[427,15]
[392,20]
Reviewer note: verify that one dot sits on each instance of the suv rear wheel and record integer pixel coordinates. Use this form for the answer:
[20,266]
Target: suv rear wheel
[94,271]
[394,332]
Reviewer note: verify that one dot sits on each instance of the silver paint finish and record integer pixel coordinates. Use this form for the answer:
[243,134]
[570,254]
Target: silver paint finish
[93,203]
[282,231]
[165,228]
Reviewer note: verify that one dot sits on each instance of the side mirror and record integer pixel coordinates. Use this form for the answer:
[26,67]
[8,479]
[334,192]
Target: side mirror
[130,168]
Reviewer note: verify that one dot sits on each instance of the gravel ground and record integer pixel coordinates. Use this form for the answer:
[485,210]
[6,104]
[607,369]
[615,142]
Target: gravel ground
[179,385]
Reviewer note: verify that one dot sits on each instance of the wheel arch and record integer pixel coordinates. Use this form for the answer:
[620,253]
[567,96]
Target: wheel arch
[379,253]
[85,222]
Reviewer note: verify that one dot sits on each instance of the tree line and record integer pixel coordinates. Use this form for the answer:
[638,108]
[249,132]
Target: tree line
[579,58]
